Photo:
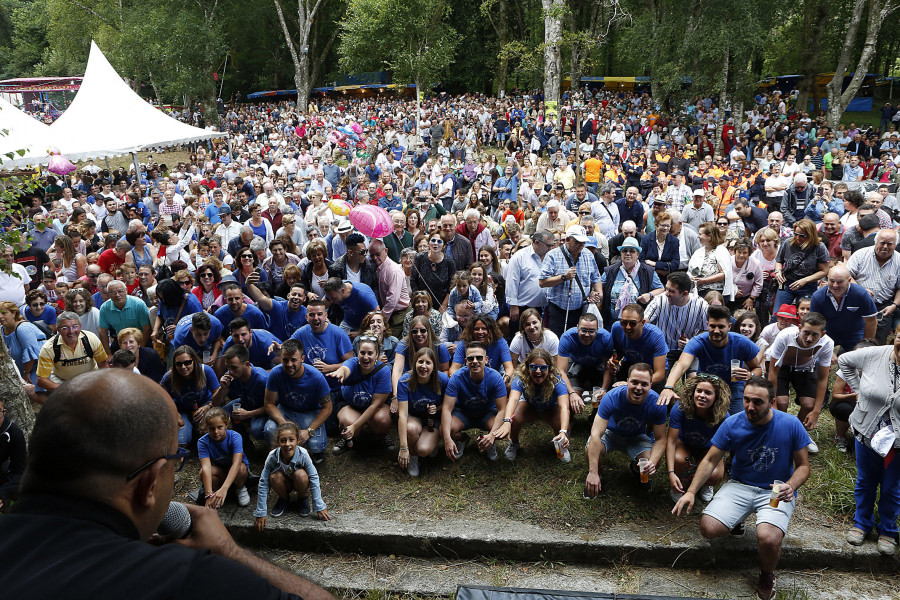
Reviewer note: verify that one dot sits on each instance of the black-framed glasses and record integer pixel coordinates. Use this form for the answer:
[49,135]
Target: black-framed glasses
[538,368]
[207,274]
[436,241]
[419,331]
[181,457]
[183,363]
[584,331]
[475,358]
[802,235]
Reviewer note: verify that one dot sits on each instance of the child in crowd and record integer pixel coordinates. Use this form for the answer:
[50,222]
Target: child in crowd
[222,461]
[289,468]
[785,316]
[463,290]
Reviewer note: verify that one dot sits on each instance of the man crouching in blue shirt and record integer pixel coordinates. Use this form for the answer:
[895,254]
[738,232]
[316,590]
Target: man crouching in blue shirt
[621,424]
[767,445]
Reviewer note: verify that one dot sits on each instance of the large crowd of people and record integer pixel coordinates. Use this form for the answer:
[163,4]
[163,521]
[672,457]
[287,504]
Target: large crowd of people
[605,260]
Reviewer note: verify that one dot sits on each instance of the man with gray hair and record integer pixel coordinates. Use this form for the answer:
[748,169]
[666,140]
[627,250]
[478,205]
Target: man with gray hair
[240,242]
[877,269]
[795,199]
[69,353]
[119,312]
[688,241]
[606,212]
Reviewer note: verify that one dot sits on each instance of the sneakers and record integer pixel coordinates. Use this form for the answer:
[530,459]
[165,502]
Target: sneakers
[460,447]
[491,453]
[675,496]
[706,494]
[765,587]
[280,507]
[856,537]
[341,447]
[413,467]
[243,497]
[388,444]
[194,494]
[813,448]
[318,458]
[512,451]
[841,443]
[304,507]
[738,530]
[887,545]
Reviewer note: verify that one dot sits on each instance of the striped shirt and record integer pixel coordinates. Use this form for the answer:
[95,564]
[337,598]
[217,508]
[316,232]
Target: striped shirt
[882,281]
[674,321]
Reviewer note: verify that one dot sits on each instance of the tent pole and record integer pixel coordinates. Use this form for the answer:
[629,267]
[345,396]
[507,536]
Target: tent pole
[137,167]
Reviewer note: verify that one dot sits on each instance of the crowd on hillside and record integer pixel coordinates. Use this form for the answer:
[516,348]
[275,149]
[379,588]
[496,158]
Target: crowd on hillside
[603,258]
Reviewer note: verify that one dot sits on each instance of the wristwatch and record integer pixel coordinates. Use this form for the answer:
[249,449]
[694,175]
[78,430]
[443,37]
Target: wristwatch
[311,431]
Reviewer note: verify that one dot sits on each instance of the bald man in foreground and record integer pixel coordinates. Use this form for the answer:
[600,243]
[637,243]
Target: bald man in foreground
[99,478]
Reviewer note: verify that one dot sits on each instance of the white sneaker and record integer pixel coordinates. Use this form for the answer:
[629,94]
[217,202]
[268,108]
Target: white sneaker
[706,494]
[413,467]
[243,497]
[491,453]
[566,457]
[813,448]
[676,496]
[511,451]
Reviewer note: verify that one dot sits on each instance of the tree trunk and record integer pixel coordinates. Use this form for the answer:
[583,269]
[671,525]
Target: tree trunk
[879,10]
[18,406]
[576,65]
[723,96]
[553,14]
[738,115]
[305,18]
[815,15]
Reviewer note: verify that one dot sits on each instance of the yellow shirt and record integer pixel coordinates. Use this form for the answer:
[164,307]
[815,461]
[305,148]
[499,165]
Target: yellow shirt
[71,362]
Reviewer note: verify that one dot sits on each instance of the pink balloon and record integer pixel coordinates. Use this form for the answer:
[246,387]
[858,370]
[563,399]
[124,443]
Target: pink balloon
[356,127]
[371,220]
[59,164]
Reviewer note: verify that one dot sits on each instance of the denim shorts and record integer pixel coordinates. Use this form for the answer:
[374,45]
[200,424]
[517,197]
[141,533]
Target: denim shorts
[632,445]
[735,501]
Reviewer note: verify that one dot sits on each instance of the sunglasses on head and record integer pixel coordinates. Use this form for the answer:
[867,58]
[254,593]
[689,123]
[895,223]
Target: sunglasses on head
[708,377]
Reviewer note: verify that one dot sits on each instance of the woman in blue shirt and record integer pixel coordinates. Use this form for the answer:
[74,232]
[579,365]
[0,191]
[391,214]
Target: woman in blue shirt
[24,341]
[693,422]
[365,387]
[37,310]
[192,386]
[538,393]
[485,330]
[420,336]
[420,393]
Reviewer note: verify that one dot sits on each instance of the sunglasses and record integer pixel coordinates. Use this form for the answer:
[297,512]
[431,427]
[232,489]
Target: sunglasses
[436,241]
[183,363]
[38,304]
[205,275]
[475,358]
[368,338]
[708,377]
[801,235]
[628,323]
[419,331]
[250,256]
[538,368]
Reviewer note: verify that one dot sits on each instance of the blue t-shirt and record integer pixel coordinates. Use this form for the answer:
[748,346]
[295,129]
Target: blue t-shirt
[422,397]
[594,355]
[25,345]
[627,419]
[173,314]
[359,395]
[220,453]
[717,361]
[183,335]
[252,394]
[497,353]
[541,404]
[330,346]
[476,399]
[254,316]
[190,397]
[48,316]
[443,355]
[361,301]
[695,432]
[260,343]
[845,326]
[762,453]
[306,394]
[283,323]
[651,344]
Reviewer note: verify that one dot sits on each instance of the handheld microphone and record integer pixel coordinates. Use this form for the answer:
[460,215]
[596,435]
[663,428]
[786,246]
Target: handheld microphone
[177,522]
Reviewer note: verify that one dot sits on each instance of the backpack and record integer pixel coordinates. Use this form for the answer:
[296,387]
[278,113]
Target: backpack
[57,349]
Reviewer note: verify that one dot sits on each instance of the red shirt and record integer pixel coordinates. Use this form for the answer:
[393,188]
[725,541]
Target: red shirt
[109,261]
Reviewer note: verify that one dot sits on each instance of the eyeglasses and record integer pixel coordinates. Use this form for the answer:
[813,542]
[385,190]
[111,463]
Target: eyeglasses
[69,327]
[801,235]
[475,358]
[436,241]
[584,331]
[183,363]
[243,256]
[625,323]
[207,274]
[419,331]
[538,368]
[180,456]
[38,304]
[584,212]
[722,223]
[662,227]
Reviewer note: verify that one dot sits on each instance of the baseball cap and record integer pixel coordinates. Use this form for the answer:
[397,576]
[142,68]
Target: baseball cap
[578,233]
[224,210]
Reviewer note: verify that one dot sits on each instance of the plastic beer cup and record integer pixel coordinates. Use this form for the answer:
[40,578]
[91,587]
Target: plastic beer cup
[776,488]
[643,463]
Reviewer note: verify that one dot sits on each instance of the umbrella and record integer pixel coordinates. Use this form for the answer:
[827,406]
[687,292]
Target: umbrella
[371,220]
[339,207]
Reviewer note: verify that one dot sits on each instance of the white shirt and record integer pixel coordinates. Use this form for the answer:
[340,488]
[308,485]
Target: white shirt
[785,351]
[522,275]
[12,286]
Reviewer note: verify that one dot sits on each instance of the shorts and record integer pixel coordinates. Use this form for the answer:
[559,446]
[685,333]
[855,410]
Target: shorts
[805,382]
[632,445]
[483,422]
[735,501]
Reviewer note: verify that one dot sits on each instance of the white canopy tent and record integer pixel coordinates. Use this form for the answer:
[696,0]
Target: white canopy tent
[107,118]
[23,132]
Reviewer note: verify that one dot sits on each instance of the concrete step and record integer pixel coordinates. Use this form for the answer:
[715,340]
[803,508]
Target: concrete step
[670,544]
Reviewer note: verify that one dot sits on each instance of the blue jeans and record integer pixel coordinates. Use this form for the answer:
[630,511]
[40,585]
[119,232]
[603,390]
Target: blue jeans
[871,473]
[788,296]
[256,426]
[186,431]
[315,444]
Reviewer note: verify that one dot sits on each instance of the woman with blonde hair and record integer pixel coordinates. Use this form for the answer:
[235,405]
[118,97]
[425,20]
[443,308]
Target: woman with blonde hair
[710,266]
[692,424]
[24,341]
[537,393]
[800,264]
[317,213]
[73,263]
